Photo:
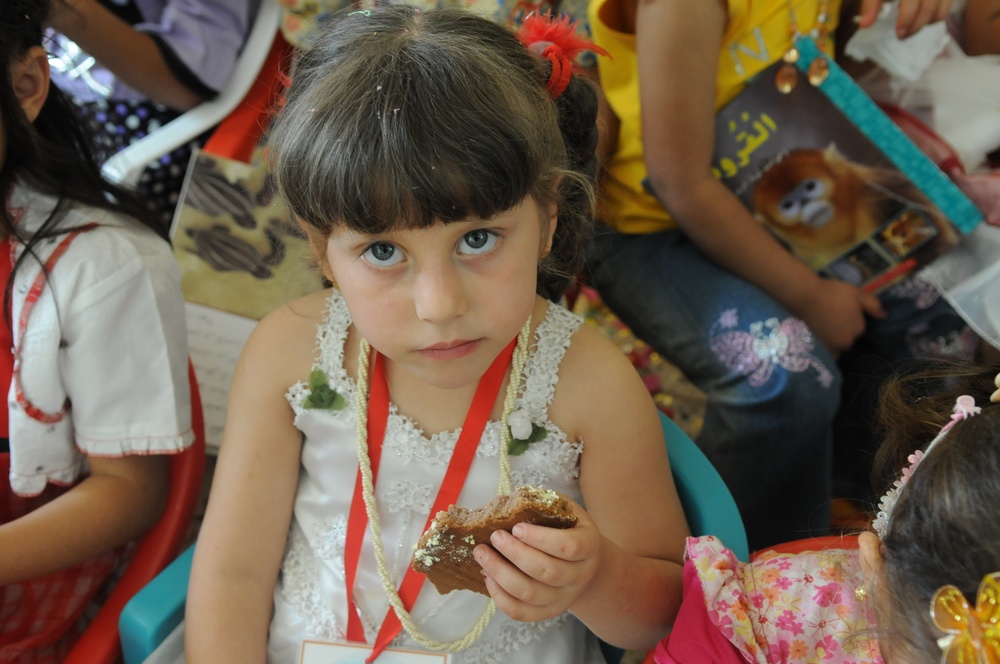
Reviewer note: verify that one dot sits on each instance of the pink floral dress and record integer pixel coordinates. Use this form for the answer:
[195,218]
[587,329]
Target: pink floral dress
[782,607]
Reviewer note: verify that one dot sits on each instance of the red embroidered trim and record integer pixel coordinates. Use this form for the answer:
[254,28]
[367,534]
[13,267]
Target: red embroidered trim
[34,293]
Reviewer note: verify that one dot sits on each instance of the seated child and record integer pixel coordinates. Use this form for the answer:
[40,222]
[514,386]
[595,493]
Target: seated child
[444,173]
[96,372]
[917,590]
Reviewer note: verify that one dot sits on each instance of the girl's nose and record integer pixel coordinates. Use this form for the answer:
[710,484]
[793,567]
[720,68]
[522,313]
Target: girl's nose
[438,294]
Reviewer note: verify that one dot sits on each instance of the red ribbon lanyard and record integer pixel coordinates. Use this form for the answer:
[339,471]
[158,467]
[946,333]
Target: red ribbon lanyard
[451,486]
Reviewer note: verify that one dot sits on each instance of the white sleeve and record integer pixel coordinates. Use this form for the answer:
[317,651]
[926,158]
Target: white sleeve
[124,346]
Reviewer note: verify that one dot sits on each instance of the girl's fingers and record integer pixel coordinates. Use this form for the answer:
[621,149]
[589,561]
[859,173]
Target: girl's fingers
[515,608]
[535,572]
[574,544]
[906,19]
[916,14]
[515,584]
[532,566]
[869,10]
[565,544]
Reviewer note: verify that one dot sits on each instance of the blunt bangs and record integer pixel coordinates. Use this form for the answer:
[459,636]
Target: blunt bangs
[397,128]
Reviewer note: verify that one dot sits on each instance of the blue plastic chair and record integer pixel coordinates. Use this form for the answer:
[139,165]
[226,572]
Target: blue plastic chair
[708,505]
[158,608]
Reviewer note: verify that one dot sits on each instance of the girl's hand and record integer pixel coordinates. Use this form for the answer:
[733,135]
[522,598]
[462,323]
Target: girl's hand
[913,14]
[540,572]
[836,314]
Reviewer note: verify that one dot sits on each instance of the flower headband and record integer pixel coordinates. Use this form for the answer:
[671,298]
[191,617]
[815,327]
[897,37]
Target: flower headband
[555,40]
[971,635]
[965,406]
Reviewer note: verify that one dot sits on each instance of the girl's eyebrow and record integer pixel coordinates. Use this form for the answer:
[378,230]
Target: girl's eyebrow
[348,238]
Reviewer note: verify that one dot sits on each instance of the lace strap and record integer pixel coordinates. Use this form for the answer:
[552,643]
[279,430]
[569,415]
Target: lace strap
[552,338]
[331,335]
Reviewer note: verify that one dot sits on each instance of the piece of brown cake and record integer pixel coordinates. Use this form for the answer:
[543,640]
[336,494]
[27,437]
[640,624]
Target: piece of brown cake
[444,552]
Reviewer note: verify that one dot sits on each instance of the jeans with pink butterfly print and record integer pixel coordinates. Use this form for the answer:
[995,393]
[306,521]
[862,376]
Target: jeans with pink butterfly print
[773,391]
[774,425]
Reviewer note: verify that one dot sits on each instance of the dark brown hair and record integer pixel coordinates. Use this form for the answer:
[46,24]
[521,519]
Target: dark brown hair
[945,527]
[53,154]
[400,118]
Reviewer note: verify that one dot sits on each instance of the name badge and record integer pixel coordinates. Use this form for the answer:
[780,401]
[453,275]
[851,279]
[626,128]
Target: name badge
[338,652]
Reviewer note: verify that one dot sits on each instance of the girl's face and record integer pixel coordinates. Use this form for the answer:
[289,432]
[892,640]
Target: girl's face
[443,301]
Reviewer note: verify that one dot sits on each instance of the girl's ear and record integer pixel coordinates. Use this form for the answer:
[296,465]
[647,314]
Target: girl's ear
[30,80]
[870,553]
[552,220]
[317,242]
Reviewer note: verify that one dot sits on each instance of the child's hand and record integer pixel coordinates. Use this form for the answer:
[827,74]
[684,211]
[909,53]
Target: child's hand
[540,572]
[837,312]
[913,14]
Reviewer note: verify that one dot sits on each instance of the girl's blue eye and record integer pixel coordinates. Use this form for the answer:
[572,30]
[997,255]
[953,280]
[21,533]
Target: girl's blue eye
[383,254]
[478,241]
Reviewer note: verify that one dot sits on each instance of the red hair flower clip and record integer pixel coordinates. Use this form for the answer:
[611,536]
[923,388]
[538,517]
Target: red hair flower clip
[556,40]
[971,635]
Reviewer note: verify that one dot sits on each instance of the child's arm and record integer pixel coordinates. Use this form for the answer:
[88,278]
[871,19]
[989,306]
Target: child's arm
[122,362]
[913,14]
[119,500]
[134,56]
[981,25]
[619,570]
[242,539]
[678,43]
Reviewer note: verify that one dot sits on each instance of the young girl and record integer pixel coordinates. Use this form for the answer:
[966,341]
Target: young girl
[447,196]
[921,588]
[97,376]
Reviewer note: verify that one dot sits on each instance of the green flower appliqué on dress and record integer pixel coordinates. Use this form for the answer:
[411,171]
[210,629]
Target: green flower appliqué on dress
[321,395]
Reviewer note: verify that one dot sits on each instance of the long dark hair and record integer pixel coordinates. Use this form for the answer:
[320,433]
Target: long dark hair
[53,154]
[397,117]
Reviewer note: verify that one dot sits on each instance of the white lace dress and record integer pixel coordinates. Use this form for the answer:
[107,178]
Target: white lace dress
[310,599]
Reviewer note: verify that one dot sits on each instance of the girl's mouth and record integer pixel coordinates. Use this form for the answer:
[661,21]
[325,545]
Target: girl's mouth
[449,350]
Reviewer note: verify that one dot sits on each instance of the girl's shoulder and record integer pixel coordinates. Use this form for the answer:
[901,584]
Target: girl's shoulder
[296,320]
[117,239]
[286,338]
[592,358]
[117,236]
[597,380]
[92,253]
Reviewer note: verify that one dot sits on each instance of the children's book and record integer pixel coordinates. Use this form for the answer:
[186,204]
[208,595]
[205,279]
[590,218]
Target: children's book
[831,176]
[241,257]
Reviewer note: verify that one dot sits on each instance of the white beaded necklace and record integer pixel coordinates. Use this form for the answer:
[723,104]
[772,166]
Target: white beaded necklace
[368,490]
